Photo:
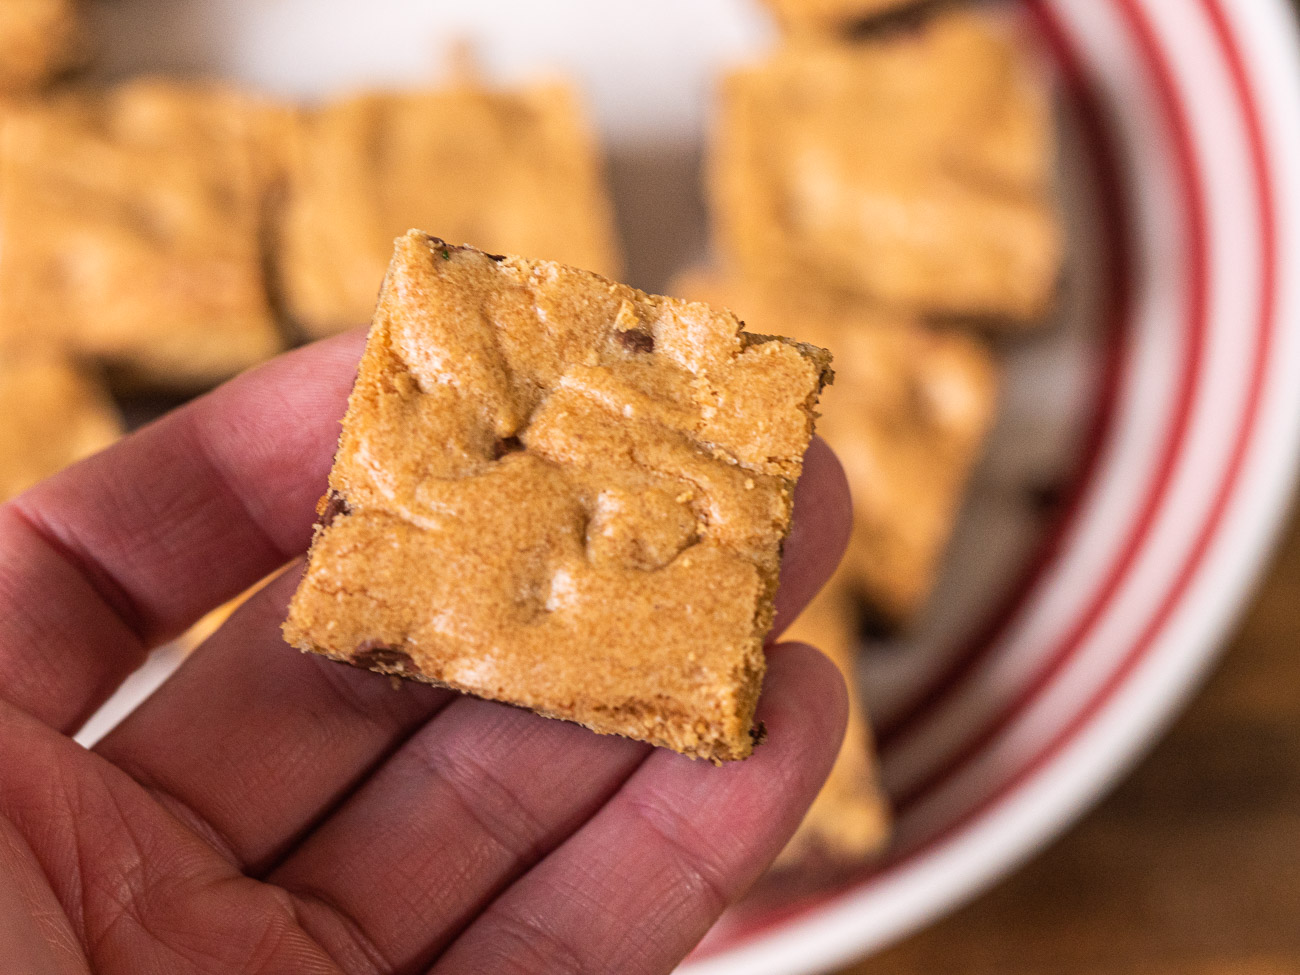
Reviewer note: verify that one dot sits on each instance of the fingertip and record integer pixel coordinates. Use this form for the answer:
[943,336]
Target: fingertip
[313,376]
[804,708]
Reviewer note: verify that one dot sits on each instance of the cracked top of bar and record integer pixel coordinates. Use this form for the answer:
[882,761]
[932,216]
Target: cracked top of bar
[563,493]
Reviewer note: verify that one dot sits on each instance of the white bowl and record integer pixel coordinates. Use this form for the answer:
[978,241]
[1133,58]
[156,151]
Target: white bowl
[1166,401]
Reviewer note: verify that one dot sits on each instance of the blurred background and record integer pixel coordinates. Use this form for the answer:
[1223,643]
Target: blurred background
[924,187]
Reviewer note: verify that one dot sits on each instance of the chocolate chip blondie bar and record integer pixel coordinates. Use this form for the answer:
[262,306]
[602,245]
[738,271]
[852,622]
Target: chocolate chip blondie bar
[914,171]
[562,493]
[509,170]
[134,224]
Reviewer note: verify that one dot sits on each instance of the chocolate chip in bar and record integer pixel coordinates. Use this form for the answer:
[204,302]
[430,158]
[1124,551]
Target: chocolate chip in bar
[374,655]
[506,445]
[637,340]
[332,505]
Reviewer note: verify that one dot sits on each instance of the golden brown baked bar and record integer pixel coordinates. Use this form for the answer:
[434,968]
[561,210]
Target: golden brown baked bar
[849,820]
[908,416]
[512,171]
[563,493]
[39,40]
[134,222]
[829,16]
[914,171]
[53,414]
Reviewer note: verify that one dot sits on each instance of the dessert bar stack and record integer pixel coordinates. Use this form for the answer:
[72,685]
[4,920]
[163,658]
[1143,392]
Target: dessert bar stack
[55,411]
[880,190]
[134,221]
[880,186]
[179,232]
[160,235]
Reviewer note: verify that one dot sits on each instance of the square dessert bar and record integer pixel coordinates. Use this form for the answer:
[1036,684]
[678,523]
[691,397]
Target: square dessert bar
[849,819]
[909,413]
[912,170]
[831,16]
[512,171]
[54,414]
[39,40]
[134,227]
[562,493]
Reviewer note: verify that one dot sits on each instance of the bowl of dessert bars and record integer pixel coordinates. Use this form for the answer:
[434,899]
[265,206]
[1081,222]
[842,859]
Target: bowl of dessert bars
[1047,241]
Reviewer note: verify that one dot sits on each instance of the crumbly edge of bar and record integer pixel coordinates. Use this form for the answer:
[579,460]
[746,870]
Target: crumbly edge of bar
[717,749]
[819,357]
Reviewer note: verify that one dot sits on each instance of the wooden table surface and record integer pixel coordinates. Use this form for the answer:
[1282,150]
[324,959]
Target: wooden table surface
[1191,866]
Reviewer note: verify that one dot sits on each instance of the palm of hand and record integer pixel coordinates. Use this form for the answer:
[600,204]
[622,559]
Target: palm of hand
[272,812]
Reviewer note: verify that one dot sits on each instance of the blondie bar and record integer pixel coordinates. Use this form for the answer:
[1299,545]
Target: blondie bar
[562,493]
[849,820]
[134,226]
[513,171]
[913,170]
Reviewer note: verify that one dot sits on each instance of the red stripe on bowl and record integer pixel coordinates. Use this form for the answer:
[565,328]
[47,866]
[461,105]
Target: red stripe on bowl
[1192,185]
[955,677]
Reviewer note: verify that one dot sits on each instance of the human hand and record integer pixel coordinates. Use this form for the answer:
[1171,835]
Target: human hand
[268,811]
